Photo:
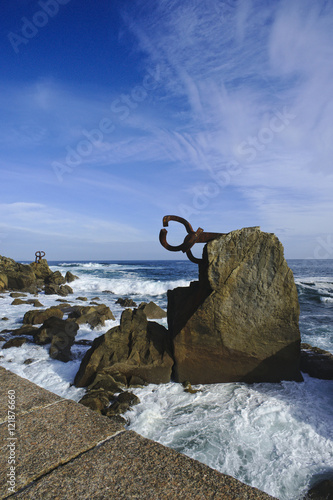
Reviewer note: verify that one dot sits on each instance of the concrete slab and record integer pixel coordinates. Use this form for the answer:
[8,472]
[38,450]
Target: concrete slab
[50,436]
[28,396]
[129,466]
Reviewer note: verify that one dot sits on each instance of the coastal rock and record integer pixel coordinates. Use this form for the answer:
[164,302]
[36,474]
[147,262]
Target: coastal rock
[3,282]
[30,277]
[97,400]
[16,295]
[122,404]
[69,277]
[54,289]
[239,322]
[39,316]
[93,315]
[55,278]
[16,342]
[24,330]
[18,302]
[316,362]
[321,491]
[152,310]
[135,348]
[126,302]
[61,333]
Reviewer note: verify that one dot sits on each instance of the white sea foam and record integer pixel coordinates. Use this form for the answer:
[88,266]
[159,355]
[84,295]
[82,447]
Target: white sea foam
[127,286]
[51,374]
[272,436]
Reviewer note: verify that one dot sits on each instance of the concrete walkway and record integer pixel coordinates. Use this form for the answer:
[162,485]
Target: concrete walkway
[54,448]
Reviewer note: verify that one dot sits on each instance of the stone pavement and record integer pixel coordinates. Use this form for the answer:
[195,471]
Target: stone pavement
[54,448]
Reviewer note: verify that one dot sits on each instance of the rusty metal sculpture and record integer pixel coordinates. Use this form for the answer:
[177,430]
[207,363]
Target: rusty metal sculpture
[198,236]
[39,255]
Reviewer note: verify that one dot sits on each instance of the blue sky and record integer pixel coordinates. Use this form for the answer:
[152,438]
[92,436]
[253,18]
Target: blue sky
[117,113]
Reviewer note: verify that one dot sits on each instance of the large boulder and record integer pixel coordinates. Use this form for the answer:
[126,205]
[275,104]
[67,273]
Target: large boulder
[60,333]
[239,322]
[136,350]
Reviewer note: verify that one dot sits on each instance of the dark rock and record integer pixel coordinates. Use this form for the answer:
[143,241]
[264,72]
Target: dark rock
[123,403]
[188,388]
[25,330]
[93,303]
[55,278]
[83,342]
[108,291]
[18,302]
[152,310]
[4,318]
[126,302]
[35,302]
[105,381]
[2,339]
[28,361]
[84,299]
[69,277]
[239,322]
[97,400]
[62,300]
[62,290]
[321,491]
[39,316]
[93,315]
[61,333]
[16,342]
[16,295]
[134,348]
[316,362]
[95,298]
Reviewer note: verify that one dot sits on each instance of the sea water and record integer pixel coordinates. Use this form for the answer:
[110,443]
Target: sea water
[277,437]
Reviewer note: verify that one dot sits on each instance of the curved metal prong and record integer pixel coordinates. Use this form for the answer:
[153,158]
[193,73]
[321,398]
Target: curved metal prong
[166,245]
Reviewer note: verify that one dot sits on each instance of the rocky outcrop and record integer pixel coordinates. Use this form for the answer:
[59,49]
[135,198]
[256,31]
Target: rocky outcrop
[60,333]
[136,351]
[316,362]
[31,277]
[239,322]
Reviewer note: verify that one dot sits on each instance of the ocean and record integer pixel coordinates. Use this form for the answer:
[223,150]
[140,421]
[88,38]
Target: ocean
[276,437]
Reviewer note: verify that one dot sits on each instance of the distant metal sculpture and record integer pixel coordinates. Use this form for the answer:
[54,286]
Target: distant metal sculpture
[39,255]
[198,236]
